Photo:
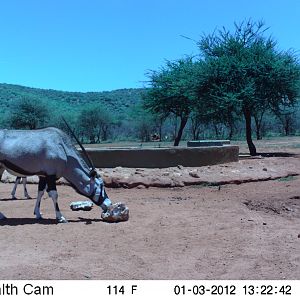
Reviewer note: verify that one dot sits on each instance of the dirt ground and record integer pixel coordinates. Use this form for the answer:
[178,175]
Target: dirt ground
[230,231]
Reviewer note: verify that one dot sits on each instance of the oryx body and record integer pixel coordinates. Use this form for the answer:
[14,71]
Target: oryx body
[50,154]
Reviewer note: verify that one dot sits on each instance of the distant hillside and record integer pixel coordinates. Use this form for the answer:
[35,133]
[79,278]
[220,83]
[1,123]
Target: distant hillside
[117,101]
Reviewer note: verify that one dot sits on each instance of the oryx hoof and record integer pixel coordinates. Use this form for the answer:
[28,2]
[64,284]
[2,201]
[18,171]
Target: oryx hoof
[62,220]
[38,216]
[14,198]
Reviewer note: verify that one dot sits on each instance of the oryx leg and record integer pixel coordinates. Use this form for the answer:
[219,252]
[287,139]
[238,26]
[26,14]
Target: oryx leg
[13,192]
[41,190]
[2,169]
[52,192]
[24,181]
[2,217]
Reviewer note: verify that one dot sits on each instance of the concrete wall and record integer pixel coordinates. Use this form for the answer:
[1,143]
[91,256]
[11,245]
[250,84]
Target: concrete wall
[208,143]
[163,157]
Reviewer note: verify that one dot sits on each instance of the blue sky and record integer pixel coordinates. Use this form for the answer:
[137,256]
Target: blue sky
[96,45]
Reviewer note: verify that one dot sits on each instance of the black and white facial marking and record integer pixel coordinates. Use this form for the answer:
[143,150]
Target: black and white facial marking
[99,196]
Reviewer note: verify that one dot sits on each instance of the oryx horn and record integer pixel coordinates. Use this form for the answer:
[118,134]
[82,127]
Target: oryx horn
[81,146]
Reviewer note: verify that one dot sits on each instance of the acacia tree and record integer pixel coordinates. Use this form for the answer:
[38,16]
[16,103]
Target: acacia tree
[28,113]
[245,68]
[95,123]
[172,92]
[142,123]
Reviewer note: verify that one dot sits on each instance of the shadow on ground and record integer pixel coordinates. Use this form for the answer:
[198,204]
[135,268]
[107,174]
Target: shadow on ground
[18,199]
[268,154]
[31,221]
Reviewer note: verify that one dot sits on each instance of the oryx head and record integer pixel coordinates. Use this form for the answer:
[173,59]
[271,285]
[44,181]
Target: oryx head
[98,194]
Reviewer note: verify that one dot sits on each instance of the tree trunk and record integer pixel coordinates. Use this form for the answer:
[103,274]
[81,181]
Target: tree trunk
[230,134]
[175,128]
[160,129]
[258,136]
[216,130]
[197,134]
[193,132]
[160,133]
[287,126]
[104,130]
[231,129]
[258,123]
[183,122]
[251,146]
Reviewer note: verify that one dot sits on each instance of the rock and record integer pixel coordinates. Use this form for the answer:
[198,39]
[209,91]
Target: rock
[176,174]
[107,180]
[117,169]
[265,169]
[140,187]
[194,173]
[161,182]
[177,183]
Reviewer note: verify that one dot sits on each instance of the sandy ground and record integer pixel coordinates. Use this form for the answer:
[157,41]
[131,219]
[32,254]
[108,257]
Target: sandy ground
[232,231]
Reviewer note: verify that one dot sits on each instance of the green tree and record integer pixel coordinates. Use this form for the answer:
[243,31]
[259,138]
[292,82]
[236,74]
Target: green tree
[172,91]
[142,123]
[245,68]
[28,113]
[95,122]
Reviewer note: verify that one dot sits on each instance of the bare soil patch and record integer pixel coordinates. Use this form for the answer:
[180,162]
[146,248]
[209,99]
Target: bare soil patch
[233,221]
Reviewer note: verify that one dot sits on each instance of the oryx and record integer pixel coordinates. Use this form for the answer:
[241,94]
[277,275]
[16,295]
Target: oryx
[18,181]
[50,154]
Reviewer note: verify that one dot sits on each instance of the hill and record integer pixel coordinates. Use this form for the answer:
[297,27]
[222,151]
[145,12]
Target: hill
[116,101]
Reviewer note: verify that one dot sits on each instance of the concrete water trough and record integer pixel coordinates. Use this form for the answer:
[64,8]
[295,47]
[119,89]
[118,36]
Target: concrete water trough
[136,157]
[207,143]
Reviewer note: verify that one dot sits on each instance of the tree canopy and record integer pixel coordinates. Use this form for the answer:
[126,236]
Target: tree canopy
[28,113]
[246,74]
[173,91]
[239,73]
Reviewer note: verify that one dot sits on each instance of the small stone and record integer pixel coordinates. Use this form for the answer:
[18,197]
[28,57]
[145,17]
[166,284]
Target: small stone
[299,236]
[264,223]
[265,169]
[194,174]
[140,187]
[177,174]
